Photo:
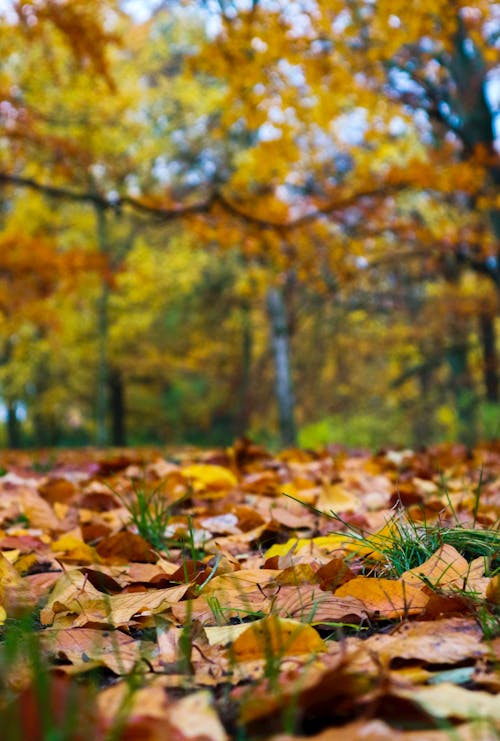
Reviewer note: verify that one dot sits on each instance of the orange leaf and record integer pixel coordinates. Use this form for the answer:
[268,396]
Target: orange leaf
[445,567]
[385,598]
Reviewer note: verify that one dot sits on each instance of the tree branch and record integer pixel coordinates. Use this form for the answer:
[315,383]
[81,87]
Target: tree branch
[168,214]
[337,205]
[115,204]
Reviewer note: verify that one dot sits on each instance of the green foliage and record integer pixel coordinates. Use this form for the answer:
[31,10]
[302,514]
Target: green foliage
[489,414]
[369,428]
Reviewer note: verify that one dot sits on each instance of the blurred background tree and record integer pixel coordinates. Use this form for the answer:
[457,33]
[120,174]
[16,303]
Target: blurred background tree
[226,218]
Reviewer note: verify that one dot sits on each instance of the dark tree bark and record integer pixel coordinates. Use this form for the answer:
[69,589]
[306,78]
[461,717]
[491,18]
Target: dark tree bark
[490,358]
[117,407]
[46,431]
[14,437]
[102,309]
[462,388]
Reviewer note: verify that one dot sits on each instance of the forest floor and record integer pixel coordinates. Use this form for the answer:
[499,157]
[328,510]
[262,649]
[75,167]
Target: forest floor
[232,593]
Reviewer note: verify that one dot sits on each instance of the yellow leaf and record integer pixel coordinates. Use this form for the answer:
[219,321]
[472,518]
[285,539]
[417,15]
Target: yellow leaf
[12,556]
[293,545]
[75,549]
[8,575]
[278,637]
[493,590]
[204,476]
[332,542]
[221,635]
[335,498]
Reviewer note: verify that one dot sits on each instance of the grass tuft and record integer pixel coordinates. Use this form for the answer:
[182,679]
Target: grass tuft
[406,543]
[151,514]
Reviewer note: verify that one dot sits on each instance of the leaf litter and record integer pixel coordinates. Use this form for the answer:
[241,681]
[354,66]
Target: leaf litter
[232,594]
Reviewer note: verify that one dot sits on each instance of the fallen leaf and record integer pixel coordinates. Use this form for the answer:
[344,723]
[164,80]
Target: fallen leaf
[385,598]
[124,547]
[206,476]
[493,590]
[112,649]
[38,511]
[312,605]
[331,543]
[444,568]
[222,635]
[336,498]
[274,636]
[72,548]
[74,595]
[449,701]
[446,641]
[194,717]
[377,730]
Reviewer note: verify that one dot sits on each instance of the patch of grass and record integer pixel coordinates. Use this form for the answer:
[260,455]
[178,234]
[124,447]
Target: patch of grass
[151,514]
[190,548]
[405,543]
[409,544]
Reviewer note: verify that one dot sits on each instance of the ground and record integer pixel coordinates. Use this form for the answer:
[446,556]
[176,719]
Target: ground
[215,594]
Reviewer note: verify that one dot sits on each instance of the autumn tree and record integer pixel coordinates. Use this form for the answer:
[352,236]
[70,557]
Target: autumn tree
[386,64]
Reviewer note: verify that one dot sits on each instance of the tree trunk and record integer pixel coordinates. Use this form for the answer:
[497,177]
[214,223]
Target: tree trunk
[13,426]
[463,392]
[276,310]
[46,431]
[477,125]
[423,417]
[117,408]
[490,358]
[243,415]
[102,309]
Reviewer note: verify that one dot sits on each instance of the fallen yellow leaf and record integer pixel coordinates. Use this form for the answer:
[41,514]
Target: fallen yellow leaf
[75,549]
[204,475]
[335,498]
[277,637]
